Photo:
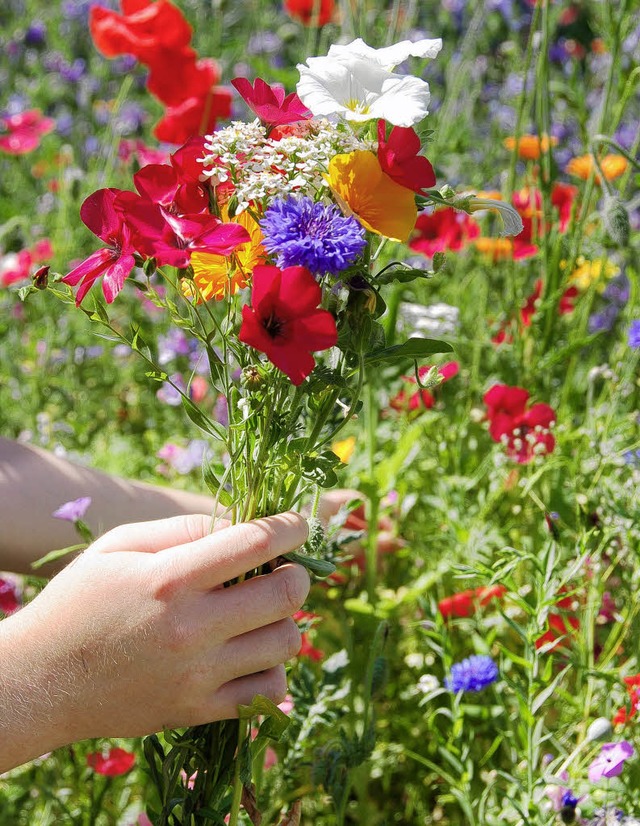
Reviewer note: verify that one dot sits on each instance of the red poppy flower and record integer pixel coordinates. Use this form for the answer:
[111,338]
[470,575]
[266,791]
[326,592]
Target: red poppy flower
[567,303]
[284,320]
[269,102]
[444,229]
[525,432]
[194,116]
[24,131]
[311,12]
[466,603]
[9,601]
[115,261]
[180,75]
[145,29]
[112,763]
[399,158]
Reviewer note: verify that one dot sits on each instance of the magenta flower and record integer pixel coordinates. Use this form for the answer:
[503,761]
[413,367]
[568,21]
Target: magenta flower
[115,261]
[269,102]
[74,510]
[24,131]
[9,601]
[610,761]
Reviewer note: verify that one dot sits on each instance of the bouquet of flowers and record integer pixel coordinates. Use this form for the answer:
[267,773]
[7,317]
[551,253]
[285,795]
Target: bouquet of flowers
[264,241]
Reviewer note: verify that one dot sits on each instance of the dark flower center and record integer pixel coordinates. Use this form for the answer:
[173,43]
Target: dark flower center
[273,325]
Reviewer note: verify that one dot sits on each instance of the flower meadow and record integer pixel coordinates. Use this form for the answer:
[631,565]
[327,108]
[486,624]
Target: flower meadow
[378,262]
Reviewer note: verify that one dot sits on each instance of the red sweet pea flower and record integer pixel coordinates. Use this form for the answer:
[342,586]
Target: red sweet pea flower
[194,116]
[444,229]
[9,601]
[185,160]
[171,239]
[144,29]
[115,262]
[311,12]
[269,102]
[399,158]
[161,184]
[525,433]
[24,131]
[284,320]
[466,603]
[112,763]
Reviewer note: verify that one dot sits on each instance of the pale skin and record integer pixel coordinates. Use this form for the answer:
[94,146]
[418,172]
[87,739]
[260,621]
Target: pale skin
[138,634]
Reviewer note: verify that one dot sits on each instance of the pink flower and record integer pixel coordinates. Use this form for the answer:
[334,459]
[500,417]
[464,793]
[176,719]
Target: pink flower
[525,432]
[111,762]
[24,131]
[269,102]
[610,761]
[9,601]
[74,510]
[115,261]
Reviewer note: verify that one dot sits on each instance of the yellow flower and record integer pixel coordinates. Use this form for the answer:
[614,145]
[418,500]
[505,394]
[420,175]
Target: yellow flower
[495,248]
[362,189]
[530,147]
[612,167]
[344,449]
[590,272]
[218,276]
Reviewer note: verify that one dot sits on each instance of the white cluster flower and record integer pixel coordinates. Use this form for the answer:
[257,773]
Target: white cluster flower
[425,321]
[262,168]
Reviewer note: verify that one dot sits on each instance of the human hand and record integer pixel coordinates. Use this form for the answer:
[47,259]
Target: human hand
[139,634]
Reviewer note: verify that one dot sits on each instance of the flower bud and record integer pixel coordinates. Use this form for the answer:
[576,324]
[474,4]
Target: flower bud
[600,729]
[616,220]
[41,277]
[252,378]
[149,267]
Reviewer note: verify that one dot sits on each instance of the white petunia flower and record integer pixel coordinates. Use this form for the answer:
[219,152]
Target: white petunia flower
[390,56]
[511,220]
[356,82]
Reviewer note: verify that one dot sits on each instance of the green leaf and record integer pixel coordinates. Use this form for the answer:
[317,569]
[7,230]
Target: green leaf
[402,274]
[263,706]
[203,422]
[156,375]
[319,567]
[413,348]
[26,291]
[213,483]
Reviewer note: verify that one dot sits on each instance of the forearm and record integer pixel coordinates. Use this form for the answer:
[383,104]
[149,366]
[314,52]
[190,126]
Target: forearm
[33,483]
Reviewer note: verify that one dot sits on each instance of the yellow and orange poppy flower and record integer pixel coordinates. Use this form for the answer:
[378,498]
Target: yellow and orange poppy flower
[530,147]
[219,276]
[363,190]
[344,449]
[612,167]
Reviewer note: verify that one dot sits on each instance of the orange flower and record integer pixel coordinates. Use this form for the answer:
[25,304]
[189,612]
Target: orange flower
[612,167]
[218,276]
[530,147]
[362,189]
[495,248]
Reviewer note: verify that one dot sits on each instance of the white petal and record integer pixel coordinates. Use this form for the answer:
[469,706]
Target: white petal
[404,101]
[390,56]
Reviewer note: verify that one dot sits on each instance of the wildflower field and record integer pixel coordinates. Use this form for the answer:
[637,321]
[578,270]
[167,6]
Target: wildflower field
[378,262]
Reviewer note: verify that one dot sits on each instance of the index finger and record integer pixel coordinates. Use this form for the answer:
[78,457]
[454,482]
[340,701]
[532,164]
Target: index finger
[233,551]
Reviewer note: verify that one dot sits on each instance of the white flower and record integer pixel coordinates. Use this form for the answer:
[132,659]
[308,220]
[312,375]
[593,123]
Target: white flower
[390,56]
[355,82]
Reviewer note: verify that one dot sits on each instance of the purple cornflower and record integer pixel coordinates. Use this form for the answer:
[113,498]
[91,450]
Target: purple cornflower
[610,761]
[618,290]
[633,339]
[35,35]
[301,233]
[472,674]
[74,510]
[603,321]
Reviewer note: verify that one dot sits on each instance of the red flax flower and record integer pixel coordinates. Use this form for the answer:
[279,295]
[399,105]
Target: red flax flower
[111,763]
[269,102]
[24,131]
[399,158]
[284,320]
[524,432]
[444,229]
[114,262]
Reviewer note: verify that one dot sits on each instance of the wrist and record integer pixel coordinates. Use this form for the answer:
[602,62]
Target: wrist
[33,718]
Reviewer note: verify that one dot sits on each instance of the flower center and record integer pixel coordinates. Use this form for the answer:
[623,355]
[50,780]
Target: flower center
[358,106]
[273,325]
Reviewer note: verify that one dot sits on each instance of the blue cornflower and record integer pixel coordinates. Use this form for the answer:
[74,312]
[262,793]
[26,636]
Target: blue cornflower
[634,334]
[569,799]
[301,233]
[472,674]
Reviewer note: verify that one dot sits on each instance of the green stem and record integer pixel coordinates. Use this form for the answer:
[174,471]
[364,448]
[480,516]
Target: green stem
[237,781]
[371,547]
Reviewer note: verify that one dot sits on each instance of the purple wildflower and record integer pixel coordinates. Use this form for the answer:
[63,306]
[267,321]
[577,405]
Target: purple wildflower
[633,339]
[472,674]
[610,761]
[603,321]
[301,233]
[74,510]
[618,290]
